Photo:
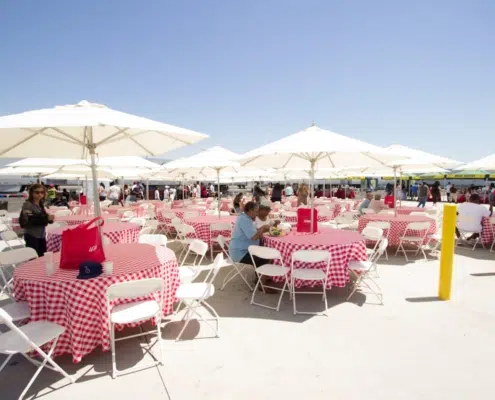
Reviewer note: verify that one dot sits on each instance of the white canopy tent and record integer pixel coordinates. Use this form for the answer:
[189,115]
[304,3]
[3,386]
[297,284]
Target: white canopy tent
[421,158]
[88,130]
[314,148]
[486,163]
[211,161]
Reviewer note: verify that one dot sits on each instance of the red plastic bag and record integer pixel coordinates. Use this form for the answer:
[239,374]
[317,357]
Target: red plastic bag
[389,200]
[304,220]
[82,243]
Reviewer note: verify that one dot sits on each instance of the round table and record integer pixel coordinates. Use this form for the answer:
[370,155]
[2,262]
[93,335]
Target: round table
[409,210]
[117,232]
[344,246]
[398,225]
[202,226]
[80,305]
[79,219]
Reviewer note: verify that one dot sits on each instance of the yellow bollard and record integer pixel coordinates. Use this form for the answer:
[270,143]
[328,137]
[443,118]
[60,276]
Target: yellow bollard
[447,254]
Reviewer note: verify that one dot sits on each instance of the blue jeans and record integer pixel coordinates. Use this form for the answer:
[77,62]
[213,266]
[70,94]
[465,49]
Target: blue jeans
[422,201]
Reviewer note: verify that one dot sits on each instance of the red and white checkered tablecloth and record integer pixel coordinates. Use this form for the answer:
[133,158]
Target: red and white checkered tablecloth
[80,305]
[202,226]
[179,213]
[117,232]
[409,210]
[487,232]
[138,211]
[344,246]
[398,225]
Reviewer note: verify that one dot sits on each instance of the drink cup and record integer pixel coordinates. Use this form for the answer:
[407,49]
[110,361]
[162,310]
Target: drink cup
[49,256]
[108,267]
[50,268]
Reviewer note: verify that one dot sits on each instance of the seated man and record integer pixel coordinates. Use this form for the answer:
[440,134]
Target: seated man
[377,204]
[366,202]
[470,216]
[245,234]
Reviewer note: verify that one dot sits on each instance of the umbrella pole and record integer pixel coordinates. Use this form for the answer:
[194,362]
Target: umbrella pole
[218,192]
[311,194]
[395,190]
[147,189]
[400,188]
[92,148]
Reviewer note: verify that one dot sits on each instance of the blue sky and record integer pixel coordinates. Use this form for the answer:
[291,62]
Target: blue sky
[419,73]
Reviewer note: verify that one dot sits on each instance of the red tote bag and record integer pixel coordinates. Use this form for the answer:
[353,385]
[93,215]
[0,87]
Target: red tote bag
[304,220]
[82,243]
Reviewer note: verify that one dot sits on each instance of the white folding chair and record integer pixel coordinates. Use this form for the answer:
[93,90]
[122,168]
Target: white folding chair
[417,241]
[270,269]
[29,338]
[492,227]
[372,234]
[62,213]
[10,260]
[191,214]
[387,212]
[310,274]
[112,219]
[12,240]
[185,235]
[154,240]
[194,295]
[127,216]
[18,310]
[76,210]
[169,226]
[212,212]
[224,213]
[139,221]
[135,312]
[4,227]
[344,222]
[463,221]
[197,248]
[420,214]
[362,273]
[218,227]
[237,268]
[385,226]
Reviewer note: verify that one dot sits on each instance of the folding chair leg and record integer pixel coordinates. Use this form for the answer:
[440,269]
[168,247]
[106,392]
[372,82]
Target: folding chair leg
[6,362]
[112,345]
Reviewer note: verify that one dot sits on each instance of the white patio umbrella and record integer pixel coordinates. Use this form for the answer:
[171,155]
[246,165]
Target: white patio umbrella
[208,162]
[79,130]
[428,159]
[486,163]
[314,148]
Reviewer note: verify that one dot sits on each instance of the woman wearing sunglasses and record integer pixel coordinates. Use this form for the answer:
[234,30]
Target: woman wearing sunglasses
[34,219]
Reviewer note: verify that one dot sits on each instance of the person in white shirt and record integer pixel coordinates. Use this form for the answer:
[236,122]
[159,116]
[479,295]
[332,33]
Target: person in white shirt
[470,216]
[195,192]
[157,194]
[262,218]
[114,193]
[165,193]
[212,188]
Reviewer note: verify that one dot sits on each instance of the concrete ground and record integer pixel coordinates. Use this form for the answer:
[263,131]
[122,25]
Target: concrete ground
[412,347]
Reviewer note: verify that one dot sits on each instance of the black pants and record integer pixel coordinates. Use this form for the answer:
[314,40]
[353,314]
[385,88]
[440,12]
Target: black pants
[38,244]
[259,261]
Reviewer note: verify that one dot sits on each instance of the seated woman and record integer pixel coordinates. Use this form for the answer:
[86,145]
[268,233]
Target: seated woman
[60,201]
[276,193]
[245,234]
[238,204]
[366,202]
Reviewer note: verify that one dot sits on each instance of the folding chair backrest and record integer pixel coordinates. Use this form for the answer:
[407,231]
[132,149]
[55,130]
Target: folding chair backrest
[224,213]
[348,215]
[134,289]
[420,213]
[9,235]
[3,228]
[379,251]
[62,213]
[199,247]
[311,256]
[17,256]
[371,233]
[155,240]
[418,226]
[128,214]
[138,221]
[379,224]
[222,242]
[264,252]
[218,263]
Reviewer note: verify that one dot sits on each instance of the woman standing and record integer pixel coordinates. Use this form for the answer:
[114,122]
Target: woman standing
[34,219]
[302,195]
[276,193]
